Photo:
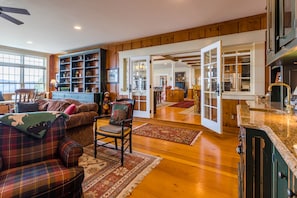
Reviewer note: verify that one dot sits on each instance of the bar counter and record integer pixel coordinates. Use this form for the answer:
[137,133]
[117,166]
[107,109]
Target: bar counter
[280,127]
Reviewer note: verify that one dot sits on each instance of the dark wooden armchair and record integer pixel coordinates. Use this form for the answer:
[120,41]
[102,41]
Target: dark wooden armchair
[24,101]
[25,95]
[118,128]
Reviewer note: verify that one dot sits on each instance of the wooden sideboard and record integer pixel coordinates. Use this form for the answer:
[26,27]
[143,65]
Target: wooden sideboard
[174,95]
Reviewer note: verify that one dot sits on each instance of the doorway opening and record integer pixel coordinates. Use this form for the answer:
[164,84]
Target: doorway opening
[176,83]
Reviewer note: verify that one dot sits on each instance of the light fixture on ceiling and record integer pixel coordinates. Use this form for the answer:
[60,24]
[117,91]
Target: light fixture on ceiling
[29,42]
[77,27]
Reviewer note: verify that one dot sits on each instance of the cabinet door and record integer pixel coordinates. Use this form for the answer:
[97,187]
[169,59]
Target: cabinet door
[286,9]
[292,185]
[270,38]
[258,149]
[279,175]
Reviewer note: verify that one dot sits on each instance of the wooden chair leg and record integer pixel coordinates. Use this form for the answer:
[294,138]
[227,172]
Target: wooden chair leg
[130,142]
[116,143]
[95,146]
[122,151]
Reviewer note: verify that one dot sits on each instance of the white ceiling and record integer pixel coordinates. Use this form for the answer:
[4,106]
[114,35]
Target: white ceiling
[50,25]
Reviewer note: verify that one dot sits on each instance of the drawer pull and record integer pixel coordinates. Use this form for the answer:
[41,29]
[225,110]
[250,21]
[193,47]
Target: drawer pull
[291,193]
[281,175]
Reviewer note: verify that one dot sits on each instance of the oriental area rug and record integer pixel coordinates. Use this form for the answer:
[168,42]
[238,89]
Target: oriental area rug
[169,133]
[106,178]
[183,104]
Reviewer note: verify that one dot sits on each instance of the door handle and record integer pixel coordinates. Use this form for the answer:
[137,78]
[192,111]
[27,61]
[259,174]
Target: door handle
[218,89]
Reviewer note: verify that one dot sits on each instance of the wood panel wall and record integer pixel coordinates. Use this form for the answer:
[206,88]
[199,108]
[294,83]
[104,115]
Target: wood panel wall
[251,23]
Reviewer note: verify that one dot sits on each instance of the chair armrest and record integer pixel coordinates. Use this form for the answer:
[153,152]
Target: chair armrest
[127,122]
[70,151]
[100,117]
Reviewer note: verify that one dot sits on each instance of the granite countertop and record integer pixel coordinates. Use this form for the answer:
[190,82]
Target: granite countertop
[280,127]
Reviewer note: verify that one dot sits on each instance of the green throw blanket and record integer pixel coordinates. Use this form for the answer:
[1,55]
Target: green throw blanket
[35,124]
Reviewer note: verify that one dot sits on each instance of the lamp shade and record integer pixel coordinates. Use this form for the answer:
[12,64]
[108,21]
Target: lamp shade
[53,81]
[295,91]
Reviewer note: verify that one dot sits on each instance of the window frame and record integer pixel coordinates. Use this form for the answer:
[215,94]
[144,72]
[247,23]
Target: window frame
[38,62]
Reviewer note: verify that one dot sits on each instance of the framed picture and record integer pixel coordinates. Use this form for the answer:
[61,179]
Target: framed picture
[112,76]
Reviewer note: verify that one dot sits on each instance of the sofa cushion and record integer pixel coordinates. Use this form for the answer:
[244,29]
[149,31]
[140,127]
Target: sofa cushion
[79,119]
[42,104]
[71,109]
[26,107]
[57,105]
[72,101]
[85,107]
[38,178]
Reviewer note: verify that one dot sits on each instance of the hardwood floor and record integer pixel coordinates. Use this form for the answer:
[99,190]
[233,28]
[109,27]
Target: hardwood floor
[206,169]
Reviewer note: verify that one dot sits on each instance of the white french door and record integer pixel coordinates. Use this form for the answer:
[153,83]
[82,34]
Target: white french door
[139,85]
[211,113]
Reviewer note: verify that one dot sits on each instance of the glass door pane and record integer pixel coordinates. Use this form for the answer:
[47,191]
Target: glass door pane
[211,91]
[287,21]
[140,91]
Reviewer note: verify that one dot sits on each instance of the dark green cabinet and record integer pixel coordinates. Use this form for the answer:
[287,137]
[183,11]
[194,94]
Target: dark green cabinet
[81,97]
[263,172]
[281,29]
[255,164]
[284,182]
[279,175]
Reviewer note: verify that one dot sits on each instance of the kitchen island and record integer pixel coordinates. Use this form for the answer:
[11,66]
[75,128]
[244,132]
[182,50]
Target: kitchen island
[266,144]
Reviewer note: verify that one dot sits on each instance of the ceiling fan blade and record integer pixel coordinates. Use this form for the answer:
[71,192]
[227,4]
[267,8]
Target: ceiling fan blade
[11,19]
[14,10]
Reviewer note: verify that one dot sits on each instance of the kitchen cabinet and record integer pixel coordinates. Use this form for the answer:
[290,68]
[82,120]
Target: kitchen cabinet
[281,29]
[83,71]
[279,175]
[262,170]
[284,182]
[255,150]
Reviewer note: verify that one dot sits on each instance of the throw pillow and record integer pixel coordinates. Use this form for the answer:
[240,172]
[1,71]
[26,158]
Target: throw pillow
[26,107]
[70,109]
[119,112]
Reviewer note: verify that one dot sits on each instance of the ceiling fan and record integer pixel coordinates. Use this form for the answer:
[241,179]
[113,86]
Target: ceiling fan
[12,10]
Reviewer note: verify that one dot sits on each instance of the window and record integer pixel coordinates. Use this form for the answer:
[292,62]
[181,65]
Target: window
[21,71]
[237,71]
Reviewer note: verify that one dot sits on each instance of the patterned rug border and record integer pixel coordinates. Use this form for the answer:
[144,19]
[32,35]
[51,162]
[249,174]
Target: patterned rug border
[114,165]
[138,179]
[191,144]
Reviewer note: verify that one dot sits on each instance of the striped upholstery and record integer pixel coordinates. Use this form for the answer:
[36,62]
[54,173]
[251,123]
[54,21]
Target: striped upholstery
[31,167]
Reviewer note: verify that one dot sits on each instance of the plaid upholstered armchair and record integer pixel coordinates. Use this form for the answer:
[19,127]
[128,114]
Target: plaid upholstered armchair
[36,159]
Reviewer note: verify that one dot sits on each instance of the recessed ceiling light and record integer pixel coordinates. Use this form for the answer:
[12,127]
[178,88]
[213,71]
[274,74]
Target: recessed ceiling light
[29,42]
[77,27]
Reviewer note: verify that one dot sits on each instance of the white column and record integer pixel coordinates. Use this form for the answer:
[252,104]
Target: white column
[191,71]
[173,74]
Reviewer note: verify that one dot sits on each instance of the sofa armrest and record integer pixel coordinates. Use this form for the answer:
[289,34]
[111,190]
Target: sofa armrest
[70,151]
